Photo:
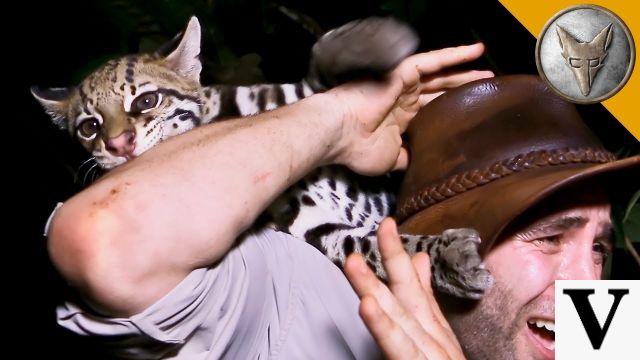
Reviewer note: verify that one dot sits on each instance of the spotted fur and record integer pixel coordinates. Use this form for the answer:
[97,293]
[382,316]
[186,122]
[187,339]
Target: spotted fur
[131,104]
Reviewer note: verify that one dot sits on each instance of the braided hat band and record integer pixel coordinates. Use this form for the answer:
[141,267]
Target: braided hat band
[468,180]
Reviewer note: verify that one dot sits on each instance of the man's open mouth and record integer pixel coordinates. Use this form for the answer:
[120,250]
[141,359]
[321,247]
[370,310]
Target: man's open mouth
[544,331]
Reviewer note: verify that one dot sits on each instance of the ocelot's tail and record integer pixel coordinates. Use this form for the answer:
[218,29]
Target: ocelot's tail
[363,48]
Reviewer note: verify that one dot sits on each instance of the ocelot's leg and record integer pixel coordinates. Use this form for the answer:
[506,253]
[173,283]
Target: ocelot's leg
[456,265]
[456,269]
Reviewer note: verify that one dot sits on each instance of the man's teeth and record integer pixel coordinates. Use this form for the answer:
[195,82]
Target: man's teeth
[549,325]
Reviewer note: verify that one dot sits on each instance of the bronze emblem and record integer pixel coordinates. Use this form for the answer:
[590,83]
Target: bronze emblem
[579,43]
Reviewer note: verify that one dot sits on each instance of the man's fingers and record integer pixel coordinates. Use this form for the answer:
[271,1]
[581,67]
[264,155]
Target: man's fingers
[396,261]
[422,264]
[427,98]
[404,281]
[403,160]
[394,342]
[390,141]
[438,82]
[360,275]
[401,319]
[367,285]
[416,298]
[435,85]
[434,61]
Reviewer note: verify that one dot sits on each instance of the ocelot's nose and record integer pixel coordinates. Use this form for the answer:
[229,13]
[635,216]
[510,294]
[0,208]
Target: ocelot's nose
[123,144]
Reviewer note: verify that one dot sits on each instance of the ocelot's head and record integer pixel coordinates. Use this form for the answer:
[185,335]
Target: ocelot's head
[130,104]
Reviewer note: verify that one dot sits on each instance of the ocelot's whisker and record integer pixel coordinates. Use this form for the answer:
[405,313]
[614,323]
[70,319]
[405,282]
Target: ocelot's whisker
[93,158]
[84,181]
[95,175]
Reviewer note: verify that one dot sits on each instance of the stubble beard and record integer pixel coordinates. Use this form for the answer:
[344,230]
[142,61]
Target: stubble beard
[490,329]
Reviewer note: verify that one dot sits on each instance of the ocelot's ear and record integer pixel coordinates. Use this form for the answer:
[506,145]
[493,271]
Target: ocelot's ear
[55,102]
[185,57]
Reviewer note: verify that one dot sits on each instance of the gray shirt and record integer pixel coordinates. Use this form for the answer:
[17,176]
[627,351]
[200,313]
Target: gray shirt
[272,296]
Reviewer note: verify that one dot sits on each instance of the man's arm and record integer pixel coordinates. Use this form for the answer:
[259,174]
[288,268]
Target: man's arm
[131,237]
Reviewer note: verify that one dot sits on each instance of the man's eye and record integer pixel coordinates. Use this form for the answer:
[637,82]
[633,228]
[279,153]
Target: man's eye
[602,252]
[89,128]
[548,243]
[598,247]
[145,102]
[555,239]
[594,62]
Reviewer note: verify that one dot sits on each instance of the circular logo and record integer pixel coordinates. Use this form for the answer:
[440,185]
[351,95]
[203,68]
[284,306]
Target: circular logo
[585,53]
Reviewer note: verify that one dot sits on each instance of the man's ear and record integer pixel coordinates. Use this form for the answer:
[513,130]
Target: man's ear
[55,102]
[185,57]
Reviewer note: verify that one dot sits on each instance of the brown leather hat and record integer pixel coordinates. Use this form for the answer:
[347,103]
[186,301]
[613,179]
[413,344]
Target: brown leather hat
[487,151]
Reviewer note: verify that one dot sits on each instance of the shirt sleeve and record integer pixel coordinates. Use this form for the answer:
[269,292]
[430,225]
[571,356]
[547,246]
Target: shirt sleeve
[202,312]
[207,296]
[271,296]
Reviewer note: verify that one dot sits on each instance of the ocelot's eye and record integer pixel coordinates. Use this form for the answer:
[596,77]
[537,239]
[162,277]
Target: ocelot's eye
[145,102]
[89,128]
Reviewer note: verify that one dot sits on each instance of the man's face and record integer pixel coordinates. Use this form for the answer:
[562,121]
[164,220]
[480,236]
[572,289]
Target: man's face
[515,319]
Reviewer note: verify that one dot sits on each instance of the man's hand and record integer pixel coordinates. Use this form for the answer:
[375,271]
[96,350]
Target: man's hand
[378,112]
[404,317]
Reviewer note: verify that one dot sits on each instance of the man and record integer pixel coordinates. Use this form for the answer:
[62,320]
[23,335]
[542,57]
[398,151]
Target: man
[150,247]
[126,268]
[523,170]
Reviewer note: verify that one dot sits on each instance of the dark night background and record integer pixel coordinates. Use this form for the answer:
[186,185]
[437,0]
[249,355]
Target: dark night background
[57,43]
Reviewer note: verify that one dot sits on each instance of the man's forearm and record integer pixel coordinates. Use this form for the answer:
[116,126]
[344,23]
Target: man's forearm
[181,205]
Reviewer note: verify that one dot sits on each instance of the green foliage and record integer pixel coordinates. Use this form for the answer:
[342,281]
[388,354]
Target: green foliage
[631,219]
[626,220]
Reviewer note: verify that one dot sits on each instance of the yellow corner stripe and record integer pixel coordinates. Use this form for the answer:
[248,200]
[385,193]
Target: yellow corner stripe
[625,105]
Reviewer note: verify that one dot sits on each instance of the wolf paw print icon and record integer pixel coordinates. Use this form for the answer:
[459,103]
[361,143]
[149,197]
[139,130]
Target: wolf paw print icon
[585,53]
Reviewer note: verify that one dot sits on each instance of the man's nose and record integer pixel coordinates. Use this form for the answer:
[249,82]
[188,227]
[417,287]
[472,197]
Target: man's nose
[578,264]
[123,144]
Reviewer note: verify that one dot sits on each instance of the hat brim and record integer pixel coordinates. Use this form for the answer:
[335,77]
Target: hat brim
[490,208]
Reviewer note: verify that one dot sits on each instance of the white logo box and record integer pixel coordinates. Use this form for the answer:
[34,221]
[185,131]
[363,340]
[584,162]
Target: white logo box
[622,339]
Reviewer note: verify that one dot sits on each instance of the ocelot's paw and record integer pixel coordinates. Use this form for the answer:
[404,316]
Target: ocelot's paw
[459,270]
[370,46]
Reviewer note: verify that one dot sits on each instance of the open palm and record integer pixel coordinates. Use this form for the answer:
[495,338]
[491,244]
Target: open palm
[378,112]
